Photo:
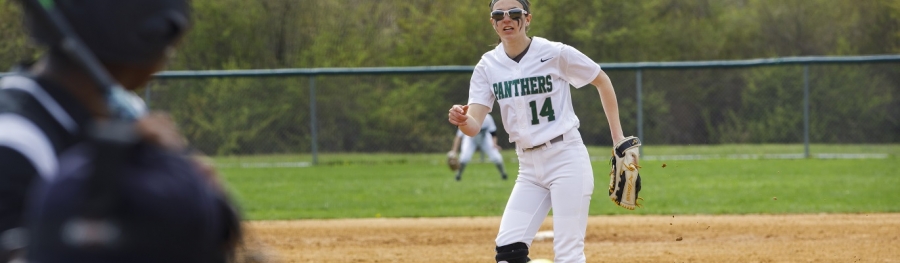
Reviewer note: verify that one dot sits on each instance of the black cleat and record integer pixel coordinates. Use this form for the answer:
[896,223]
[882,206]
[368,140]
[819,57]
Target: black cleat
[458,177]
[503,176]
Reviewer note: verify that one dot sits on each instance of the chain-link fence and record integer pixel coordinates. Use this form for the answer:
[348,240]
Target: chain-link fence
[792,108]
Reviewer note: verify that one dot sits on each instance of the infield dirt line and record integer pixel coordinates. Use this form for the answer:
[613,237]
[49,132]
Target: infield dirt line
[672,238]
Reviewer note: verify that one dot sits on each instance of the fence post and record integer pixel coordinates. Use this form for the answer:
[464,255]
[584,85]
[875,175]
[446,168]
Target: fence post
[806,111]
[312,120]
[640,110]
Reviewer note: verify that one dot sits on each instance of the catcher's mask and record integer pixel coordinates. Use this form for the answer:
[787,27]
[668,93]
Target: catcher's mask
[135,32]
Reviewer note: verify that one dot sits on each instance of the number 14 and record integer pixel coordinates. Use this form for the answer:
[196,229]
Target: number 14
[546,111]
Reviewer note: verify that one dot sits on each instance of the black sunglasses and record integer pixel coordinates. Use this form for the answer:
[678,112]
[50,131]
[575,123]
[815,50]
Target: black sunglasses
[512,13]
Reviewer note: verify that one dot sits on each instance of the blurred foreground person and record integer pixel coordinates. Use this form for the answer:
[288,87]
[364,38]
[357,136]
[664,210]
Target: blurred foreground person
[88,175]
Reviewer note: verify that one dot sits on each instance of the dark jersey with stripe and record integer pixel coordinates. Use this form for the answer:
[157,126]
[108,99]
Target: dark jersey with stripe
[38,120]
[168,212]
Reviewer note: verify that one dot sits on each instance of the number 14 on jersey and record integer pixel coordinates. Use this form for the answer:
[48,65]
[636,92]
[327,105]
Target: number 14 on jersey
[546,111]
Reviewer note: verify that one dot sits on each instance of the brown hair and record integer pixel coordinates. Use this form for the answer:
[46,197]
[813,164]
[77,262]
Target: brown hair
[525,5]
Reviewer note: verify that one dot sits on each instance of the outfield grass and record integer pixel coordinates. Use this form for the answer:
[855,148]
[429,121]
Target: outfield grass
[331,159]
[420,185]
[725,149]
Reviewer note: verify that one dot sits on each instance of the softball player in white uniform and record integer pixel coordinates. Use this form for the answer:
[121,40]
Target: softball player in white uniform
[529,77]
[485,140]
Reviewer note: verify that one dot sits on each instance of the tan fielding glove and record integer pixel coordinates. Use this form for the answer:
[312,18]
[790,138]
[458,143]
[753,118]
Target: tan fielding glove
[452,161]
[624,178]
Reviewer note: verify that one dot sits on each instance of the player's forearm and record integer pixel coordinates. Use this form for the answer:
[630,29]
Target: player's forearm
[610,106]
[471,128]
[476,114]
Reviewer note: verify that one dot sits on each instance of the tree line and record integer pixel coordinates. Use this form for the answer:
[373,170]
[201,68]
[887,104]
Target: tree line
[850,104]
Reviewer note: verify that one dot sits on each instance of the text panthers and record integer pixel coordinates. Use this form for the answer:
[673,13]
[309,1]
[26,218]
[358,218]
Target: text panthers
[523,86]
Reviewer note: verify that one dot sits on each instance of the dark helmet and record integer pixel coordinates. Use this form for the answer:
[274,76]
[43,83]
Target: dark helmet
[119,31]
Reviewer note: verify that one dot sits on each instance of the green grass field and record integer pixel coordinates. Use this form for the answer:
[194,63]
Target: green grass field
[420,185]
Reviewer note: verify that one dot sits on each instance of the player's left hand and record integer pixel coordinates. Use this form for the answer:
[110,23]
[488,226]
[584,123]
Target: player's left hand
[457,115]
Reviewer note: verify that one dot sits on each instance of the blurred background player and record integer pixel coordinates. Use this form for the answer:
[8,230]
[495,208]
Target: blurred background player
[51,110]
[485,140]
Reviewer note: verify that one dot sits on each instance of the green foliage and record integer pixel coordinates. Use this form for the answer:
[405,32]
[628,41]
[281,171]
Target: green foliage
[406,113]
[848,104]
[15,46]
[769,110]
[321,33]
[224,116]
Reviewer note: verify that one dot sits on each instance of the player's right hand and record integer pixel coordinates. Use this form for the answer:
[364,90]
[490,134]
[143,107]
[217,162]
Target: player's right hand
[160,129]
[457,115]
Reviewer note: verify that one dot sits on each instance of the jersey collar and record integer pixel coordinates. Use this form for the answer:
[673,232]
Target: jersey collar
[529,53]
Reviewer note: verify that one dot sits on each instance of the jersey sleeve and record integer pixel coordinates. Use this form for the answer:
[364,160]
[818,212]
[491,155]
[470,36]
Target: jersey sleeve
[27,139]
[480,91]
[577,67]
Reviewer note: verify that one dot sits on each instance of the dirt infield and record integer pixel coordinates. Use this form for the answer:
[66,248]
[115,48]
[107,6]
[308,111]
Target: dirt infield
[744,238]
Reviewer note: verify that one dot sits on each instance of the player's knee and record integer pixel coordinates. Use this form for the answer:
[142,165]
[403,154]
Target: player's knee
[513,253]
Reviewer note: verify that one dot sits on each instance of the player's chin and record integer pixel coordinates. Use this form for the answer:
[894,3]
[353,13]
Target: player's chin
[507,35]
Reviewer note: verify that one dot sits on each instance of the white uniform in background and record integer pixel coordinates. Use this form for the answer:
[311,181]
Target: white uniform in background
[554,166]
[484,140]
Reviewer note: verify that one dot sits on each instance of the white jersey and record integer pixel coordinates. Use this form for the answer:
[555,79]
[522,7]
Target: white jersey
[534,96]
[487,126]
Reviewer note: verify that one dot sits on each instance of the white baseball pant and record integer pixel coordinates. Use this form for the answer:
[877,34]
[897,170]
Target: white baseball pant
[557,176]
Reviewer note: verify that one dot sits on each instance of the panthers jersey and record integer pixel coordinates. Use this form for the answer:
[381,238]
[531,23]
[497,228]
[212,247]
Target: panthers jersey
[533,94]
